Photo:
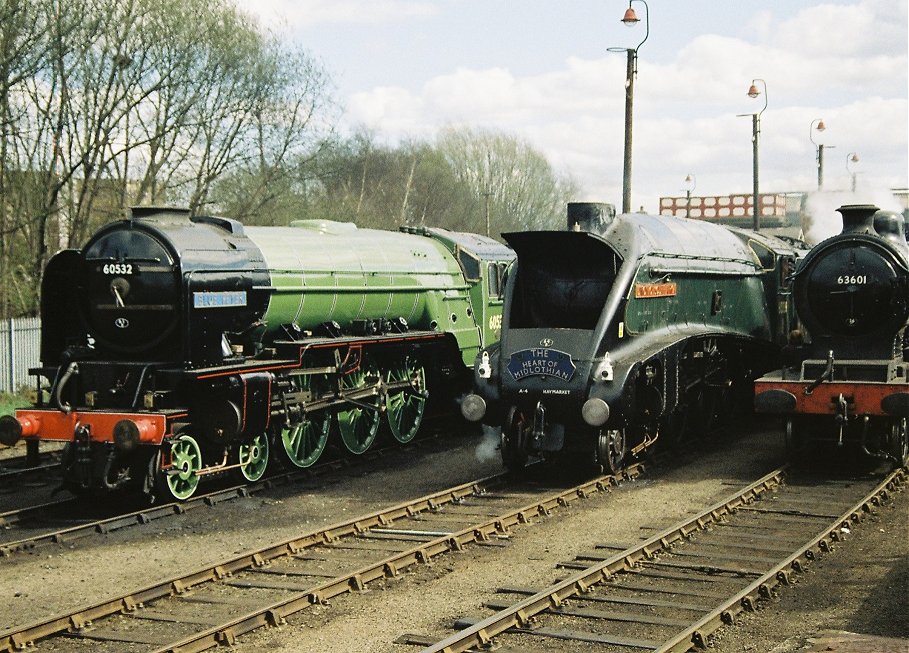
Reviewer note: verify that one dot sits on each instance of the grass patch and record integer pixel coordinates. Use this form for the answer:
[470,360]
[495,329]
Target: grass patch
[10,402]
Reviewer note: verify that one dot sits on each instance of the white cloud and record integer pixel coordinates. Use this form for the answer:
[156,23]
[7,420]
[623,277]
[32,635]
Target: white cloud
[846,64]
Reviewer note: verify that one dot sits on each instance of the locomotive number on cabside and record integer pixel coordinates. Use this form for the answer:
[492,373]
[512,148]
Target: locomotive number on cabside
[852,279]
[117,268]
[495,323]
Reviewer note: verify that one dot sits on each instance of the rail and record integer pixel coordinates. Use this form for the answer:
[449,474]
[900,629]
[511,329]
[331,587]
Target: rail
[379,525]
[522,618]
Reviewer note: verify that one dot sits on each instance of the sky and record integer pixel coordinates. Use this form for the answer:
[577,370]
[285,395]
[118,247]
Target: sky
[542,70]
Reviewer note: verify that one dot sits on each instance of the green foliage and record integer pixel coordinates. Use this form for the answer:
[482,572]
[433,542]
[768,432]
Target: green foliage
[10,402]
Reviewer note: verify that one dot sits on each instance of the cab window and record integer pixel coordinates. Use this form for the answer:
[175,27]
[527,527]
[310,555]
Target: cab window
[470,265]
[496,287]
[765,256]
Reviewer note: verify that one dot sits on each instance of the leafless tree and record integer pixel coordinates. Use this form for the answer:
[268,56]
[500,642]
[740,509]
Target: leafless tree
[107,103]
[520,186]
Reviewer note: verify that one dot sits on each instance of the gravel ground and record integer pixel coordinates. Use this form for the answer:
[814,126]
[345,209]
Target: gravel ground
[51,579]
[861,587]
[870,594]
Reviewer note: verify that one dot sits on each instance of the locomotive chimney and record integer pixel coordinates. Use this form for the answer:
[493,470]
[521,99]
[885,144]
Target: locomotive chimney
[589,216]
[858,218]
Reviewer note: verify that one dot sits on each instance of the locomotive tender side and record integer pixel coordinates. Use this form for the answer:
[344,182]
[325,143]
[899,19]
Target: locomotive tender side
[625,329]
[174,347]
[850,390]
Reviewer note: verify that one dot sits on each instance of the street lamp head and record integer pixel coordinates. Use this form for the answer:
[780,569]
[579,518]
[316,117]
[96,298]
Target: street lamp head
[754,91]
[851,159]
[631,18]
[816,125]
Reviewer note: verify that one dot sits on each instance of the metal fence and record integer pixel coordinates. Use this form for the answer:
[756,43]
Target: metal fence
[20,349]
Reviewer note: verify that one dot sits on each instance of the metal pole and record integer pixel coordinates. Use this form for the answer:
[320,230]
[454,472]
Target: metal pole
[820,166]
[688,203]
[629,110]
[487,193]
[755,132]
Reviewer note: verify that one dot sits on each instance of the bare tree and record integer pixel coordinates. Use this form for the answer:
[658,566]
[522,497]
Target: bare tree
[518,182]
[292,121]
[105,103]
[23,47]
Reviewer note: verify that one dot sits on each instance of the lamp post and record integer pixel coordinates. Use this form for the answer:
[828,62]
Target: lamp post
[691,183]
[819,147]
[852,157]
[753,92]
[630,19]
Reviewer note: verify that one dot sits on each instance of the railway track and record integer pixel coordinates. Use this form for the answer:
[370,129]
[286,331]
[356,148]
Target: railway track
[216,604]
[670,592]
[14,469]
[28,526]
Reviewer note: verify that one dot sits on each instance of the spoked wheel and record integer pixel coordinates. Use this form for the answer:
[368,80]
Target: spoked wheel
[899,442]
[181,480]
[359,424]
[253,455]
[302,444]
[514,441]
[797,441]
[405,406]
[611,450]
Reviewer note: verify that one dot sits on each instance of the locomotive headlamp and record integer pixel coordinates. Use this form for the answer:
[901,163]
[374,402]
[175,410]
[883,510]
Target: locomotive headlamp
[595,412]
[603,371]
[473,408]
[484,369]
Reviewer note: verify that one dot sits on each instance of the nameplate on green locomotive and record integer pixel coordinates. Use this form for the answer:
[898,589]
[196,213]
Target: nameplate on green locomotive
[219,299]
[647,290]
[541,361]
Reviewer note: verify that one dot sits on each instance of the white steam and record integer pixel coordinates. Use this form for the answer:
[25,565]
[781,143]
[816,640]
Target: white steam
[488,449]
[820,219]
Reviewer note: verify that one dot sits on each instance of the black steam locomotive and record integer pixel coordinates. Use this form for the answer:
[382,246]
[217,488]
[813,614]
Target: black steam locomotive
[851,388]
[626,329]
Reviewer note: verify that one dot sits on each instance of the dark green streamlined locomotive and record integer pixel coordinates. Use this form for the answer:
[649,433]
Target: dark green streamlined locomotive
[625,329]
[176,346]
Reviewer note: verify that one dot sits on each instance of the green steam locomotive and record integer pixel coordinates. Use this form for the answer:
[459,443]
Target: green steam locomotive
[175,347]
